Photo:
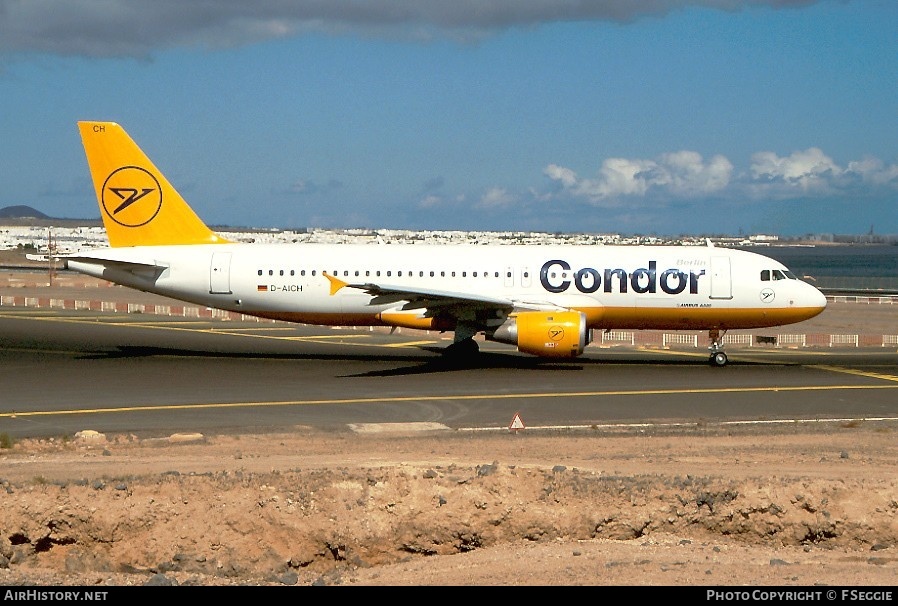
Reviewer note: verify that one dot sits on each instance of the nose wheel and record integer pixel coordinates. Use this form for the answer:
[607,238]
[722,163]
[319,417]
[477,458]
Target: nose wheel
[718,357]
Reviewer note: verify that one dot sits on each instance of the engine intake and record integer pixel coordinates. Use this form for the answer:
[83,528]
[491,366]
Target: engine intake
[548,334]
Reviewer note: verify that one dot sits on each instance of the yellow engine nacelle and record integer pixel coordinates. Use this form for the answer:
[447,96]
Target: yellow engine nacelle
[549,334]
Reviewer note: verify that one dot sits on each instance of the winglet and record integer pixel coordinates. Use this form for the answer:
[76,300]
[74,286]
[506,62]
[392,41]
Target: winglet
[138,205]
[336,283]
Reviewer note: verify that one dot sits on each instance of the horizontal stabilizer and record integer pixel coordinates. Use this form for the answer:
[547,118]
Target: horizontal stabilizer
[107,258]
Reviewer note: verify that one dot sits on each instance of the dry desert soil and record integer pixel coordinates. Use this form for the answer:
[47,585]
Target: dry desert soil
[412,505]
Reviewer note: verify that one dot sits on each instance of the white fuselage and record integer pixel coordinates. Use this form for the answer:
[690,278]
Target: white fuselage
[616,287]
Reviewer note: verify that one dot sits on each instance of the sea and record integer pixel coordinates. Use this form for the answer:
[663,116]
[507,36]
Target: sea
[850,266]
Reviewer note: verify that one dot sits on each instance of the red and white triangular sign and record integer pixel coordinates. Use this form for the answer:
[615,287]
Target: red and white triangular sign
[516,422]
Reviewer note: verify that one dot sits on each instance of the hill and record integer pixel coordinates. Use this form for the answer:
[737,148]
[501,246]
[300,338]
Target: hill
[21,212]
[28,216]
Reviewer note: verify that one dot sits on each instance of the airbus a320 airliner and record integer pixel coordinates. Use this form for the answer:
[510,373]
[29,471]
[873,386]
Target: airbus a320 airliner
[545,300]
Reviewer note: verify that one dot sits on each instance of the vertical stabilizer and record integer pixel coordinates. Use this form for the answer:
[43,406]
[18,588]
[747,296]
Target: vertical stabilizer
[138,205]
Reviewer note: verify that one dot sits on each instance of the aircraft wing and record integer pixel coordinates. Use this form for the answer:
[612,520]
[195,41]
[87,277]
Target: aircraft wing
[420,298]
[437,300]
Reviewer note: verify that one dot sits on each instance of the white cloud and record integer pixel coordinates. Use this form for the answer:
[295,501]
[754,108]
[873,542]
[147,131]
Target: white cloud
[812,172]
[565,176]
[496,197]
[686,175]
[430,201]
[874,172]
[619,177]
[809,170]
[676,174]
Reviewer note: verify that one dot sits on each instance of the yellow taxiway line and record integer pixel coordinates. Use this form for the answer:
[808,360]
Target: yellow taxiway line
[446,398]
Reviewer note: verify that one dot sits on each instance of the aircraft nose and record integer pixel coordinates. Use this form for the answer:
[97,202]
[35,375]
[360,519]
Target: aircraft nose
[815,298]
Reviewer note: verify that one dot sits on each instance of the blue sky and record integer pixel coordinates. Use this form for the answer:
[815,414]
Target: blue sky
[657,117]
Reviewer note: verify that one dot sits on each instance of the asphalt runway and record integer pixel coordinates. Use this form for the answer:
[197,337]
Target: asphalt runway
[66,371]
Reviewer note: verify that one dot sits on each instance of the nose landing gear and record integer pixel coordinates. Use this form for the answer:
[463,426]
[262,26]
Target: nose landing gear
[718,357]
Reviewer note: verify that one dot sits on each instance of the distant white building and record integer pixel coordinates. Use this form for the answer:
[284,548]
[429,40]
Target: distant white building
[72,239]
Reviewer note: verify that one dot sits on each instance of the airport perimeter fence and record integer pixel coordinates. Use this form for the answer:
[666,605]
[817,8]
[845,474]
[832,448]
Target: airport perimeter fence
[614,338]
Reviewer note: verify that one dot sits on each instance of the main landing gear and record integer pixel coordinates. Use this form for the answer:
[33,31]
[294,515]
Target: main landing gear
[461,349]
[464,345]
[718,357]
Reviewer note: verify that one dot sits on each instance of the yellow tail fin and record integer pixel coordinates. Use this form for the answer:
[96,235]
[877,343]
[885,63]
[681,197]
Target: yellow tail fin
[138,205]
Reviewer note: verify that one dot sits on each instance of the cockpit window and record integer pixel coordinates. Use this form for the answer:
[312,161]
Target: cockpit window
[777,274]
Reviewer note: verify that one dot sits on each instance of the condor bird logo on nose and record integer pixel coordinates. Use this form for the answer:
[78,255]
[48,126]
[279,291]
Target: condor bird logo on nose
[131,196]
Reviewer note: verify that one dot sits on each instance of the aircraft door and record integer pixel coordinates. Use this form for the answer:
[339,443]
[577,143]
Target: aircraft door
[721,278]
[220,274]
[509,277]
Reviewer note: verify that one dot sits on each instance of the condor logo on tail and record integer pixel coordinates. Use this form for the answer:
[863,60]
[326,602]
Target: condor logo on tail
[122,191]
